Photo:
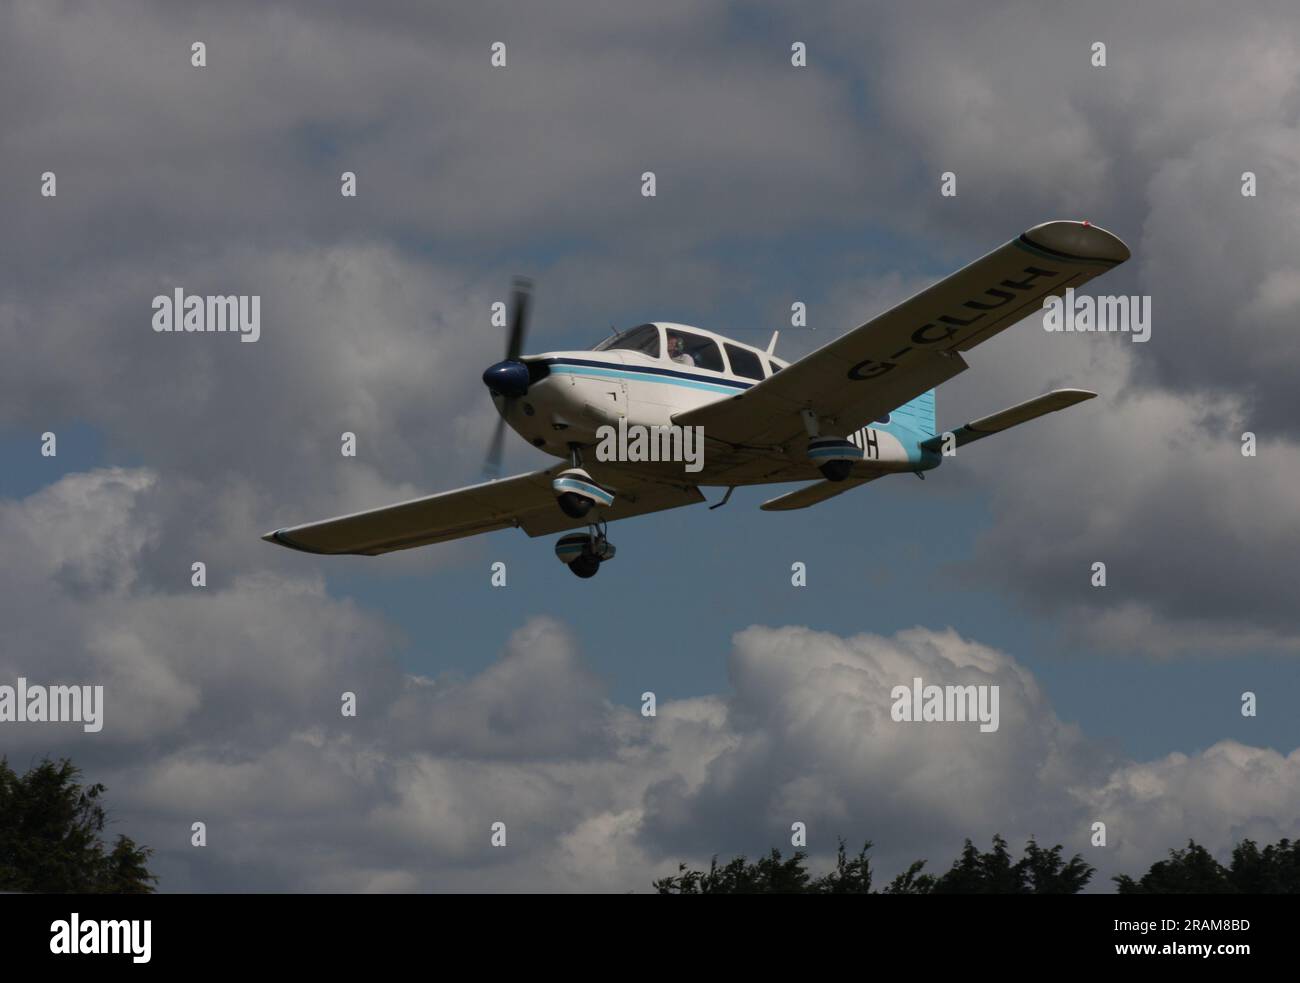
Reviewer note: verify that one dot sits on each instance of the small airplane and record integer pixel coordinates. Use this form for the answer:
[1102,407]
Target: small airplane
[856,409]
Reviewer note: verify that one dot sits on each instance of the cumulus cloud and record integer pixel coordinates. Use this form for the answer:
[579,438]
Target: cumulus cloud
[1151,482]
[775,184]
[223,706]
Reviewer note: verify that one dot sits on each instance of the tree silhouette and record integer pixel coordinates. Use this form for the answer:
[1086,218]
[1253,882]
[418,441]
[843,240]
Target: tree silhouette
[1038,872]
[50,829]
[1273,870]
[849,876]
[912,881]
[1047,873]
[1190,871]
[770,875]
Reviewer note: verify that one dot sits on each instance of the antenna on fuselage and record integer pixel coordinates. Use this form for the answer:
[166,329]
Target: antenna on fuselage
[771,345]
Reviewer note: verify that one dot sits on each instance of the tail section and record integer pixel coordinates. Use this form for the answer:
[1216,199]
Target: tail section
[918,414]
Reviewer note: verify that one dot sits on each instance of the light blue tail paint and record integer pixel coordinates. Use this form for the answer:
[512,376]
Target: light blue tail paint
[917,415]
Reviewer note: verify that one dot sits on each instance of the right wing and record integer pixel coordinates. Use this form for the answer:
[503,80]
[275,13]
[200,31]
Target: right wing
[917,345]
[525,501]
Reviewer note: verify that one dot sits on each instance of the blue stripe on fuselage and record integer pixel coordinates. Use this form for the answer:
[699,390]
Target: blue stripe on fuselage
[673,377]
[906,435]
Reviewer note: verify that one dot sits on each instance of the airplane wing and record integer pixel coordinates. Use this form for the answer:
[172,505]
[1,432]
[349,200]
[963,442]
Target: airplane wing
[525,501]
[917,345]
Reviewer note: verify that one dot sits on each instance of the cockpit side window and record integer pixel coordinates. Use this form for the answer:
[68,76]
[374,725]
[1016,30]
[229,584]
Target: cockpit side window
[694,350]
[644,339]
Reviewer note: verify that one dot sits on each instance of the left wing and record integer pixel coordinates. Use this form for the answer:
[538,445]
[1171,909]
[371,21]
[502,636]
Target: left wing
[525,501]
[917,345]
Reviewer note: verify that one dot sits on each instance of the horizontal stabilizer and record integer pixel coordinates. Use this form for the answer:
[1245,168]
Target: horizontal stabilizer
[808,495]
[1024,412]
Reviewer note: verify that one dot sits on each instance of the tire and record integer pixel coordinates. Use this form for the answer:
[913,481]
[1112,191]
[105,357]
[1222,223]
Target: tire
[586,565]
[574,505]
[836,470]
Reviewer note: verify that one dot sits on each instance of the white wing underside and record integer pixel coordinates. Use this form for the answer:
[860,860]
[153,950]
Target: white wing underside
[525,501]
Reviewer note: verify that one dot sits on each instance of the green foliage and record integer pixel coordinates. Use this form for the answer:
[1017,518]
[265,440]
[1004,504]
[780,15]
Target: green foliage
[912,881]
[50,836]
[770,875]
[1047,873]
[849,876]
[1038,872]
[1273,870]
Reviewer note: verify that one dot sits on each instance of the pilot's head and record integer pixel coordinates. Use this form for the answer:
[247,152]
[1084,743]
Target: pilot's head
[675,345]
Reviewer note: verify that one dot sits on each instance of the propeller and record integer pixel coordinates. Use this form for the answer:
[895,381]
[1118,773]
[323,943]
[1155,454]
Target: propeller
[520,300]
[509,378]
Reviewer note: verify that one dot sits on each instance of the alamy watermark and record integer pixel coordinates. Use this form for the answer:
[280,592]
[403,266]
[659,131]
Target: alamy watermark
[23,704]
[235,312]
[921,703]
[103,936]
[638,442]
[1085,314]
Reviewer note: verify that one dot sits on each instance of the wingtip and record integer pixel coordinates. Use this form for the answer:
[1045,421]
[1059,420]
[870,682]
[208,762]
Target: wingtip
[1081,240]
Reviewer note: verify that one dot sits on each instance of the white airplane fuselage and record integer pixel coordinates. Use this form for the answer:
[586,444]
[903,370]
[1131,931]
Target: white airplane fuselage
[582,391]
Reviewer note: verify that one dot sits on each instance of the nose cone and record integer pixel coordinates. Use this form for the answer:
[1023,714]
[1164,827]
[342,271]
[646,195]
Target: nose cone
[508,378]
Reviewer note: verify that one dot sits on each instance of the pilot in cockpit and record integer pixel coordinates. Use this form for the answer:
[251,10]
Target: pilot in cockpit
[677,349]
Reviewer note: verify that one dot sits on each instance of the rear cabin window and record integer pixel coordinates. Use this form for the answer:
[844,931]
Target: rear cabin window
[694,350]
[774,367]
[744,363]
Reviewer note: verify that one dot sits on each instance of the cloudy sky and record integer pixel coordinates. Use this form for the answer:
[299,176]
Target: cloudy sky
[522,704]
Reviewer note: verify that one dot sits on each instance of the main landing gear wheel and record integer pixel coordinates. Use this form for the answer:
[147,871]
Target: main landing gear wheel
[587,565]
[836,470]
[574,505]
[576,492]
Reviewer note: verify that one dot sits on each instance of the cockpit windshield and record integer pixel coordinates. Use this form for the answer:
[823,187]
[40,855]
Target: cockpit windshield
[644,339]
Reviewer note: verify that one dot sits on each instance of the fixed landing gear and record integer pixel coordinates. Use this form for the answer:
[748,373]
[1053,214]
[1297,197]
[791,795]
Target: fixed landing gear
[574,505]
[834,456]
[584,552]
[836,470]
[575,491]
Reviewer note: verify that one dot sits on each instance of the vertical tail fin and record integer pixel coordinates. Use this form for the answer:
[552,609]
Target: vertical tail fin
[918,414]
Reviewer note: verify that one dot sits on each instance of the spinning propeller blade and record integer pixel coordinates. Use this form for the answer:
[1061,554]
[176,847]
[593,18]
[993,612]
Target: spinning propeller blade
[517,331]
